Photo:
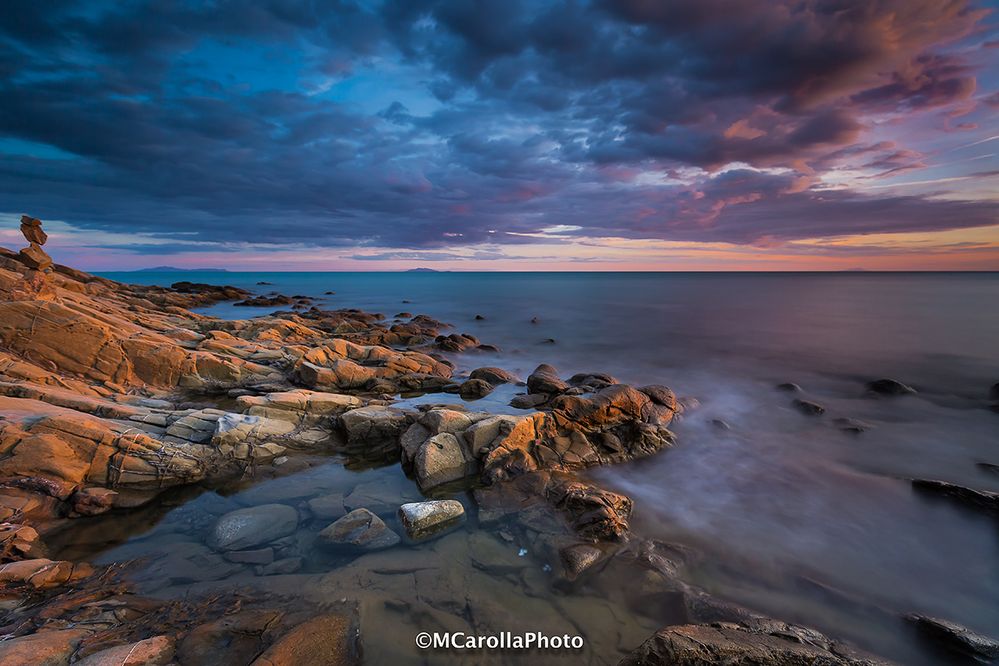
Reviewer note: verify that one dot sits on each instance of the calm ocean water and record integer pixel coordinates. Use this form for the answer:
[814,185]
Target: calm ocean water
[793,516]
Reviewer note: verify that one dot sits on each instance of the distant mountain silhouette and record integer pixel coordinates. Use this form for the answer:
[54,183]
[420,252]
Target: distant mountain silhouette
[174,269]
[422,270]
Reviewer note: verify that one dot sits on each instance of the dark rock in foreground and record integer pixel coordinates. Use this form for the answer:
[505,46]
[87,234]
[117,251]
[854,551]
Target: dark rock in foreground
[756,642]
[977,499]
[956,638]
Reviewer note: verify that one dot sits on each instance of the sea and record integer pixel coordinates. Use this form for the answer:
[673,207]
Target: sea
[785,513]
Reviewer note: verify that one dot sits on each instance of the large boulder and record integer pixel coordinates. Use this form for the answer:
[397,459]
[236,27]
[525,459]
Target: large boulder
[443,458]
[253,526]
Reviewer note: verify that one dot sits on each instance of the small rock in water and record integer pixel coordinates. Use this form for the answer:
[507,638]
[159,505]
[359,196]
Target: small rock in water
[362,529]
[721,424]
[479,317]
[957,638]
[535,320]
[790,387]
[851,425]
[889,387]
[426,519]
[253,526]
[994,392]
[809,408]
[474,389]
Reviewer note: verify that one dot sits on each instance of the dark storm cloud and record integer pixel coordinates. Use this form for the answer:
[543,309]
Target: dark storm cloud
[212,122]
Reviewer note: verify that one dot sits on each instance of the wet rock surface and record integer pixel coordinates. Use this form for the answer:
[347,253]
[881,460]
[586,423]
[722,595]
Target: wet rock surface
[759,641]
[425,519]
[955,639]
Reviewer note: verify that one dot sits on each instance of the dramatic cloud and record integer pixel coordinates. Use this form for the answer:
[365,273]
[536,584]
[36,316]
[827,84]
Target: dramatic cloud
[446,125]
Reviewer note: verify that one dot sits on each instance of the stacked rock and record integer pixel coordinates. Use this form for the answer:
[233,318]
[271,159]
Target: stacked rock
[34,256]
[35,285]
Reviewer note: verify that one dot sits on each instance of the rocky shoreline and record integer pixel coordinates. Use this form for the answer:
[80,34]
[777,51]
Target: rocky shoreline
[113,394]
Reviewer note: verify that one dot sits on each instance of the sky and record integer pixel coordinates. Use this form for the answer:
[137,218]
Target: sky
[503,134]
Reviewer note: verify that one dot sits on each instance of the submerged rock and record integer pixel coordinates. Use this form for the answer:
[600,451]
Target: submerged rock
[889,387]
[852,425]
[956,638]
[789,387]
[328,640]
[254,526]
[361,529]
[155,651]
[755,642]
[578,558]
[425,519]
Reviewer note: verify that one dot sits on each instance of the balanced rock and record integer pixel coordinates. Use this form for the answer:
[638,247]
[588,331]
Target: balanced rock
[426,519]
[35,257]
[254,526]
[31,228]
[361,529]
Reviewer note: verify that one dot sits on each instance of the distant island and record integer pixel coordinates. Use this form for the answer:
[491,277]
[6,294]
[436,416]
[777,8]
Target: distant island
[174,269]
[422,270]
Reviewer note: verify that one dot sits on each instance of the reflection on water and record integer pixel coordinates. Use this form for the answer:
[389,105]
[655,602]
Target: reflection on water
[794,517]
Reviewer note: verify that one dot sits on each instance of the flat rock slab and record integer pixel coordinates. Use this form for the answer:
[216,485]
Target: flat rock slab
[254,526]
[423,520]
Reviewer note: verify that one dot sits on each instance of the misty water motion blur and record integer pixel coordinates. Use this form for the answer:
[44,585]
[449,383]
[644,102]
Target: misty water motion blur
[797,515]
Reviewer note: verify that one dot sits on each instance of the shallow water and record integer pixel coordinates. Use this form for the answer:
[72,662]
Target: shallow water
[794,517]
